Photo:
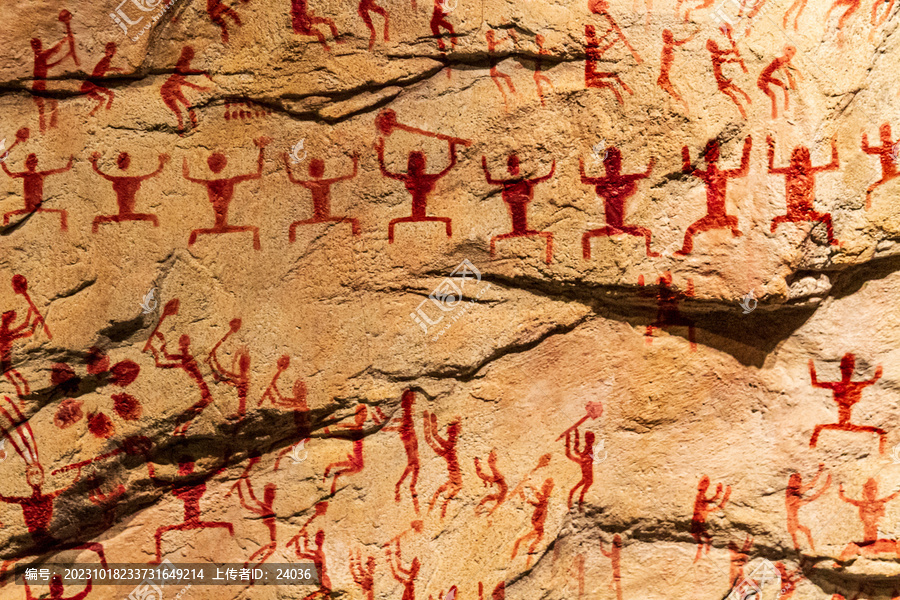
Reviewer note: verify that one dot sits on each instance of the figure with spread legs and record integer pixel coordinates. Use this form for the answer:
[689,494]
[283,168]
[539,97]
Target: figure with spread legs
[720,58]
[94,90]
[795,499]
[10,332]
[593,55]
[494,479]
[499,77]
[126,187]
[703,507]
[438,21]
[33,190]
[407,431]
[171,90]
[540,502]
[871,510]
[889,154]
[446,449]
[320,189]
[846,394]
[303,19]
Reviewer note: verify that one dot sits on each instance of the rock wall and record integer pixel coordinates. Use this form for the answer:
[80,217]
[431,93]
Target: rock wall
[453,300]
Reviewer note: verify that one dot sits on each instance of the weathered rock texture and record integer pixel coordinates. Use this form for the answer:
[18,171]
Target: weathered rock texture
[335,333]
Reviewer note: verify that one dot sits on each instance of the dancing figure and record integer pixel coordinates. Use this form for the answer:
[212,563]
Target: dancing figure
[171,90]
[446,449]
[33,190]
[795,498]
[703,507]
[303,19]
[320,189]
[584,458]
[94,90]
[407,431]
[889,154]
[494,479]
[539,516]
[767,80]
[126,187]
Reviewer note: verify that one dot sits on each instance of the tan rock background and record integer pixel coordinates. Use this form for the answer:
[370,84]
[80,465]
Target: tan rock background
[531,346]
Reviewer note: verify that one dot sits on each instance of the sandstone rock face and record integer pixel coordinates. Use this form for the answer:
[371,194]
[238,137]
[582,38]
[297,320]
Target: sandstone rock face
[453,300]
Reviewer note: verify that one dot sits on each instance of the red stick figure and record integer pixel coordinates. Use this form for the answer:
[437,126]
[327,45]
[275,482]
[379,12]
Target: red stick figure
[593,53]
[584,457]
[418,183]
[321,195]
[518,193]
[795,499]
[539,77]
[126,187]
[703,507]
[739,558]
[666,60]
[499,77]
[716,181]
[355,461]
[184,361]
[317,556]
[540,502]
[726,86]
[189,487]
[766,79]
[239,376]
[171,90]
[33,190]
[221,191]
[94,90]
[438,20]
[871,510]
[614,556]
[43,64]
[601,8]
[217,12]
[407,430]
[302,20]
[800,187]
[37,508]
[494,479]
[9,333]
[406,577]
[367,6]
[363,576]
[56,590]
[667,313]
[889,153]
[615,188]
[850,7]
[263,509]
[296,403]
[846,394]
[446,449]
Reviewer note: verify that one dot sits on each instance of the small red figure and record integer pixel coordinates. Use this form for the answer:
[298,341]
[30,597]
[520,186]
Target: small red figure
[601,8]
[518,193]
[584,457]
[871,510]
[593,53]
[321,195]
[438,20]
[296,403]
[363,576]
[217,12]
[800,187]
[766,79]
[540,502]
[171,90]
[418,183]
[539,77]
[184,361]
[726,86]
[798,5]
[33,190]
[703,507]
[846,394]
[850,7]
[496,75]
[263,509]
[239,376]
[446,449]
[614,556]
[126,187]
[317,556]
[9,333]
[407,430]
[494,479]
[363,10]
[889,153]
[739,558]
[221,191]
[94,90]
[355,461]
[406,577]
[189,488]
[667,314]
[716,181]
[302,20]
[795,499]
[615,188]
[666,60]
[56,590]
[42,66]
